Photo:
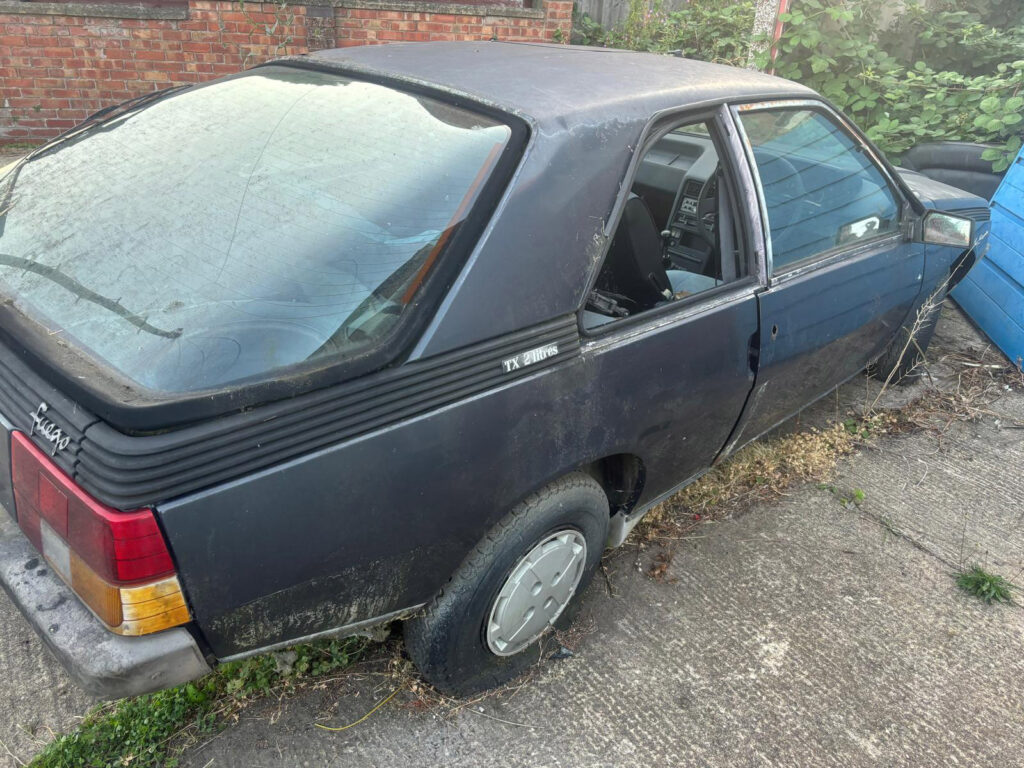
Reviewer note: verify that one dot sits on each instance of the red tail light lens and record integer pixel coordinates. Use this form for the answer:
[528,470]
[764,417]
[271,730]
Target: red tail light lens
[117,562]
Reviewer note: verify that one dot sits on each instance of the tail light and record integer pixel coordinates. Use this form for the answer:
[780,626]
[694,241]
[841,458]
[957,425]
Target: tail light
[116,562]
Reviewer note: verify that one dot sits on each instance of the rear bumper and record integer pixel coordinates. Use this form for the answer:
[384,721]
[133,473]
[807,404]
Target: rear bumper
[104,664]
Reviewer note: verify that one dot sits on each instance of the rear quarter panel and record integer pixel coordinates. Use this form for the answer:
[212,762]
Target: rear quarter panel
[378,523]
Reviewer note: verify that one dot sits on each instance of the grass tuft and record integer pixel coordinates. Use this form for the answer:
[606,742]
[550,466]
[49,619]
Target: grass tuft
[986,586]
[152,730]
[766,468]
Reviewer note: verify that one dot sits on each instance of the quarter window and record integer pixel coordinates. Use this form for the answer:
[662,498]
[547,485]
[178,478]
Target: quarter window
[820,189]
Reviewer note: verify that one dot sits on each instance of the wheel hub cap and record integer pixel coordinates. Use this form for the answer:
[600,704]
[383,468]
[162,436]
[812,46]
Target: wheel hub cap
[536,592]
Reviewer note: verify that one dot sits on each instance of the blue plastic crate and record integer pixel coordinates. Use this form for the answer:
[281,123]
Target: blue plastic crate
[992,294]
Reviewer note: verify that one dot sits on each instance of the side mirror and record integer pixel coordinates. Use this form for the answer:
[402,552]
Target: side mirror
[947,229]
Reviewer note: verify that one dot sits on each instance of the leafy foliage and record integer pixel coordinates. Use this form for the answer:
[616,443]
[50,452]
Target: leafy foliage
[712,30]
[984,585]
[935,73]
[151,730]
[951,38]
[834,47]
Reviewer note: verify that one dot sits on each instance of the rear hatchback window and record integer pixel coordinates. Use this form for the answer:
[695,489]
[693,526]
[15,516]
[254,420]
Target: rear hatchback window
[229,231]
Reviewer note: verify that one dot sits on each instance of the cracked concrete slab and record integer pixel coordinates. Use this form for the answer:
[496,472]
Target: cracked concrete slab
[908,486]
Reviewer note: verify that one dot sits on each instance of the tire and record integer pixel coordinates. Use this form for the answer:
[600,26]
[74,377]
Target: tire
[891,367]
[448,642]
[957,163]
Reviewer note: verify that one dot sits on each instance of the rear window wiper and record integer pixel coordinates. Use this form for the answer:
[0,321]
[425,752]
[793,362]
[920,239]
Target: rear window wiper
[8,180]
[99,117]
[107,112]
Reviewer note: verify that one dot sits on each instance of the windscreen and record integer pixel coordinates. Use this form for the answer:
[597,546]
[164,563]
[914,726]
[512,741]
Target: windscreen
[225,232]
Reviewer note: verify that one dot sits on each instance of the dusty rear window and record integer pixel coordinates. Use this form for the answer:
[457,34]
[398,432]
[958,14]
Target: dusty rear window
[228,231]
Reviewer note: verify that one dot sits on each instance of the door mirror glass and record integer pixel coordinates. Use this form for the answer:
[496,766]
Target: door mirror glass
[945,229]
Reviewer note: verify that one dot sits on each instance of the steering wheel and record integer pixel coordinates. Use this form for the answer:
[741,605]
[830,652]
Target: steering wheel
[781,193]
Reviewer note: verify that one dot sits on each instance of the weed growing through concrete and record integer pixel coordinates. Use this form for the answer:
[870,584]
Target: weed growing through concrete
[986,586]
[849,499]
[152,730]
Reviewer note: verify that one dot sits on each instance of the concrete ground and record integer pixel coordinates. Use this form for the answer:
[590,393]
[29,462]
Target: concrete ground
[799,632]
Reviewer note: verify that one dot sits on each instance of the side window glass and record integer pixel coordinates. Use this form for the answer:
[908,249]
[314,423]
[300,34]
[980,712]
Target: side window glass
[677,236]
[820,189]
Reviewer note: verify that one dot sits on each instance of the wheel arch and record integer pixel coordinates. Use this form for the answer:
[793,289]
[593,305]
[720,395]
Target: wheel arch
[622,476]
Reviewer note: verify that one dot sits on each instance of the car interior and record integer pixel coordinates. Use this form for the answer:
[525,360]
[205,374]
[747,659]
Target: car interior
[677,236]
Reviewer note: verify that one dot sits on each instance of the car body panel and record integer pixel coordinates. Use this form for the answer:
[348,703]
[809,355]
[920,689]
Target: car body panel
[377,524]
[824,324]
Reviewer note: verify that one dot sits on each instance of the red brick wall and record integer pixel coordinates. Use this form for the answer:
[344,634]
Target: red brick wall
[55,70]
[355,26]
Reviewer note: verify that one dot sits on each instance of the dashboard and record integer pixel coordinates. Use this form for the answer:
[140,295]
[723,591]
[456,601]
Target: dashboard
[678,179]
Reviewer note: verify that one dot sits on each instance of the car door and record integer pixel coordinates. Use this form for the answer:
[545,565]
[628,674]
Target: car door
[842,275]
[673,371]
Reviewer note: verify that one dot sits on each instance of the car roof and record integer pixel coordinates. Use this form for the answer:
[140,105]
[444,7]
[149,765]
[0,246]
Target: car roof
[588,109]
[560,84]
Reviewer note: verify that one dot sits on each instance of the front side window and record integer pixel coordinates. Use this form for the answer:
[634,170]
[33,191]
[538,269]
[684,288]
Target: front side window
[230,231]
[678,235]
[821,191]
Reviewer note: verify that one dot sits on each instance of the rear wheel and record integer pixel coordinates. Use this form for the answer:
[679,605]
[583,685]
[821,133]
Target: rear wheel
[527,575]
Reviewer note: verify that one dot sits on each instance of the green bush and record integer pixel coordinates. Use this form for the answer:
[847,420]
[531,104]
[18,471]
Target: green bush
[834,47]
[941,73]
[712,30]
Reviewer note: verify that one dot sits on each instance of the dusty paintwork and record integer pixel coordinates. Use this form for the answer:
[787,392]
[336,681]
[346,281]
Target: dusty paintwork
[316,607]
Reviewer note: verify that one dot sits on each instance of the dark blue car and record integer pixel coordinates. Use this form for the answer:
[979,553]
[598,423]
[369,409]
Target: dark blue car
[415,332]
